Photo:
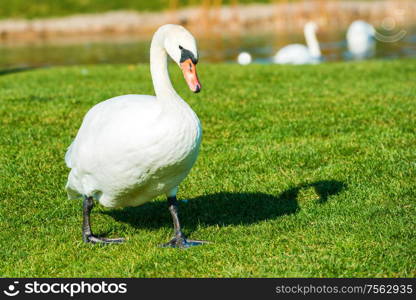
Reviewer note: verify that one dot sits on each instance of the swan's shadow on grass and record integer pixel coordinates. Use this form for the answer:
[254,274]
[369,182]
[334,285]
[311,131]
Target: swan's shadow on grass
[225,208]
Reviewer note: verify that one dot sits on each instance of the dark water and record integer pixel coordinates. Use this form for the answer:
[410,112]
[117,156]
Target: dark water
[213,49]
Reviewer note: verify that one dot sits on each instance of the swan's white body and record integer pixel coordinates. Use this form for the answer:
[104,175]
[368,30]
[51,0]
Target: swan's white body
[299,54]
[360,39]
[244,58]
[133,148]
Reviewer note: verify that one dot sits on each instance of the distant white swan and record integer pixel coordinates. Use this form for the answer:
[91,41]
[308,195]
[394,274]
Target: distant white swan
[244,58]
[360,39]
[299,54]
[132,148]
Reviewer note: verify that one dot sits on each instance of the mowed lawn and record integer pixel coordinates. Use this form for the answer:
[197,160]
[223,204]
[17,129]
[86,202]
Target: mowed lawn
[303,171]
[53,8]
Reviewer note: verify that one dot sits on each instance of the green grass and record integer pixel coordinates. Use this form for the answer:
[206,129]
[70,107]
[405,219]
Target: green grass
[52,8]
[303,171]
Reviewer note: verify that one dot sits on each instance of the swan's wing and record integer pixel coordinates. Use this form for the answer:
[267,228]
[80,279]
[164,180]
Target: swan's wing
[108,126]
[360,39]
[292,54]
[111,123]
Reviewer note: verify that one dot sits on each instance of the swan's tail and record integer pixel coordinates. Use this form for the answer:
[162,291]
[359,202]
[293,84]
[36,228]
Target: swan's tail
[71,184]
[71,192]
[68,157]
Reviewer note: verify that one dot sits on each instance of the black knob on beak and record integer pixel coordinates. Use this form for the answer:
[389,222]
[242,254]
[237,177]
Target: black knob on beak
[198,88]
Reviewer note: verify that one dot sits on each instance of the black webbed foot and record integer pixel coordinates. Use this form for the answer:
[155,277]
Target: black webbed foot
[182,242]
[101,240]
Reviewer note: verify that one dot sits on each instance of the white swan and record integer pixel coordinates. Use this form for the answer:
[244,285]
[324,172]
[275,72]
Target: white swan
[244,58]
[298,54]
[133,148]
[360,39]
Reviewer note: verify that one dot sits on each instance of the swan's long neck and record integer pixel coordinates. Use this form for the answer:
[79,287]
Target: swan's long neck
[312,42]
[159,68]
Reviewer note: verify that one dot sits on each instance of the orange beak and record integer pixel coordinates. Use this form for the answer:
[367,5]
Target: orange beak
[189,73]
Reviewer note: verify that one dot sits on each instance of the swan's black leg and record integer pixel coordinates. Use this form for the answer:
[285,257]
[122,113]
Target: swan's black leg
[87,235]
[179,240]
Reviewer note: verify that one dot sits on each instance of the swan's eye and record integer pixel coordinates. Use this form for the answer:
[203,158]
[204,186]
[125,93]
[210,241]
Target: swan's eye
[180,47]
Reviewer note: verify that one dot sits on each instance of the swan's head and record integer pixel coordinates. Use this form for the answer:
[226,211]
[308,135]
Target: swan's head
[181,47]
